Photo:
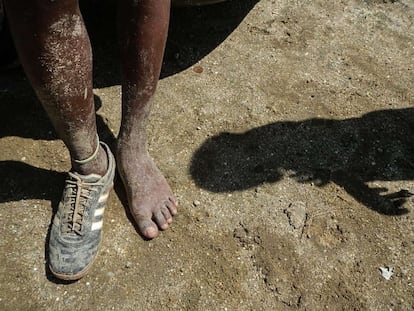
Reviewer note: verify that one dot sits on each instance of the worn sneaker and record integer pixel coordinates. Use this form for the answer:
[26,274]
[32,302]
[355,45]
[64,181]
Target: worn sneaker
[76,230]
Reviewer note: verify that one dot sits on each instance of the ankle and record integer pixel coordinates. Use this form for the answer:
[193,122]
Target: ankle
[127,147]
[98,165]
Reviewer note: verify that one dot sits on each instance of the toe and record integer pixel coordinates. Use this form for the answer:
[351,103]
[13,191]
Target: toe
[147,228]
[172,206]
[166,212]
[160,220]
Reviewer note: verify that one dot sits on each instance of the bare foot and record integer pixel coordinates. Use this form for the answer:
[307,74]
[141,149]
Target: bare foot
[150,199]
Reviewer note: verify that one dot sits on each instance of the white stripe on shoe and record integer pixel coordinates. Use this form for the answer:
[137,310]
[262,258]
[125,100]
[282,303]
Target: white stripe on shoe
[103,197]
[96,225]
[99,211]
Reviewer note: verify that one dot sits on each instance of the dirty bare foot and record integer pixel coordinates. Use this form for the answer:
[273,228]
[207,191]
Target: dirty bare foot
[150,199]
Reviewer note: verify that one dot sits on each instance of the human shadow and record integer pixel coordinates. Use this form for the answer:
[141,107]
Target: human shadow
[377,146]
[21,114]
[21,181]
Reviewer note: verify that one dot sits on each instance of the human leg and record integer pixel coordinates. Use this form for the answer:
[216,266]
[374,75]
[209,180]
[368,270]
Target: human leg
[143,27]
[55,52]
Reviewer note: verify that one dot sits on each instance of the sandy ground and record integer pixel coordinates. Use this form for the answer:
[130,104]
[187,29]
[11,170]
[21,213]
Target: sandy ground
[284,127]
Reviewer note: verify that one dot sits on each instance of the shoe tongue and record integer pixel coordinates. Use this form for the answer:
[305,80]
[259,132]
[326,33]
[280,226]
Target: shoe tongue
[85,178]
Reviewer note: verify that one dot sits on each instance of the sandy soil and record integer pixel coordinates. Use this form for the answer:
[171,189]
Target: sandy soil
[284,127]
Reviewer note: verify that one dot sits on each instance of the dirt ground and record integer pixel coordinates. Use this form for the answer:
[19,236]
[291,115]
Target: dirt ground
[286,130]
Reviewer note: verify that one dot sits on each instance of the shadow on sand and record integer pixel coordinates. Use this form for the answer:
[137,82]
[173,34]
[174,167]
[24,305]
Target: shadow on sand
[377,146]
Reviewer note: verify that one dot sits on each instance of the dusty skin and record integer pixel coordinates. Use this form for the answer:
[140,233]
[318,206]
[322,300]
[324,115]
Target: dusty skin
[285,129]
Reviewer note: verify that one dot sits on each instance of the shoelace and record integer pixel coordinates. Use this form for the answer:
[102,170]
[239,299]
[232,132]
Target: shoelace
[79,194]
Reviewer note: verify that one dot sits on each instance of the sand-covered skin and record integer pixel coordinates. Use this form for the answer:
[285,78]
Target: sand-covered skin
[289,148]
